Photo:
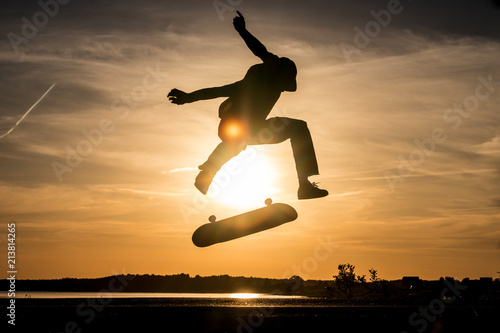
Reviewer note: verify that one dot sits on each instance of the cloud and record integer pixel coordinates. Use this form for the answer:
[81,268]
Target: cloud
[490,148]
[363,115]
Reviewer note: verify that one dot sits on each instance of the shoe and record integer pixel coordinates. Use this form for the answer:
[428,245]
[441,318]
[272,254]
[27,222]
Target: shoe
[203,181]
[310,191]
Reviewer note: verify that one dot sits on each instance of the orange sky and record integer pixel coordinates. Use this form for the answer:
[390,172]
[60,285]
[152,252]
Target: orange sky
[412,172]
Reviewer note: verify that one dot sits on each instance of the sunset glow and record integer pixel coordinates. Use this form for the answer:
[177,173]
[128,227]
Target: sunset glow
[402,105]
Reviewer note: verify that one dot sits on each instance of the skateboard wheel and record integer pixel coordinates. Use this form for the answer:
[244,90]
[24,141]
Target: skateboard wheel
[212,218]
[268,201]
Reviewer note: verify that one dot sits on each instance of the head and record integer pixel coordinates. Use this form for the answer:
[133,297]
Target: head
[287,75]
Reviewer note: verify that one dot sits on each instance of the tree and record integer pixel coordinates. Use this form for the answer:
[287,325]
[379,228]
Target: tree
[374,280]
[294,283]
[373,275]
[346,280]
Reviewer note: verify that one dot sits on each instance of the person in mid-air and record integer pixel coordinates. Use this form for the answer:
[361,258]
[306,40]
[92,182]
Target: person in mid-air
[243,116]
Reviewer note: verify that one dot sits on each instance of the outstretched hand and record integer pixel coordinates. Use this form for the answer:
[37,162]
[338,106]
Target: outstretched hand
[239,22]
[178,97]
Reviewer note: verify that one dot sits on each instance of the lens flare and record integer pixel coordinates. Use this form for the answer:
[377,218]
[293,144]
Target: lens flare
[233,130]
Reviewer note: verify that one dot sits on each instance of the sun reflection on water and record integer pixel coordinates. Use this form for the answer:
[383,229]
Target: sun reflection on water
[244,295]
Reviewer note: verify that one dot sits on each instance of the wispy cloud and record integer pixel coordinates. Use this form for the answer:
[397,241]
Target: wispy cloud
[149,193]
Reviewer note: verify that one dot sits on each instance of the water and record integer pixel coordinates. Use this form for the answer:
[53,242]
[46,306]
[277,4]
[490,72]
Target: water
[147,299]
[70,295]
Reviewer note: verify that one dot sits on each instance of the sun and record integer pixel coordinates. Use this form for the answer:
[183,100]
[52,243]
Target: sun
[245,181]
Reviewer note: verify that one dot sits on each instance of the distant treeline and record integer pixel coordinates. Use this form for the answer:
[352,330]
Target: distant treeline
[180,283]
[407,289]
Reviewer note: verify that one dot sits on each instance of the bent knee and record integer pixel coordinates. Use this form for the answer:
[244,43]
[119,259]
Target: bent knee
[302,123]
[298,125]
[288,122]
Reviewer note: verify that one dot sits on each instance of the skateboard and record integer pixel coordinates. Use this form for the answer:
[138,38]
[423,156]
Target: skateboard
[270,216]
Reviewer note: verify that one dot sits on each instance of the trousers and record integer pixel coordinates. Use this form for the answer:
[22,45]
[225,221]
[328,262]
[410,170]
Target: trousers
[236,135]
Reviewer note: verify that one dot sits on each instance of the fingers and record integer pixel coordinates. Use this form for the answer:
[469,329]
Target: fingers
[175,101]
[178,97]
[173,95]
[239,22]
[173,92]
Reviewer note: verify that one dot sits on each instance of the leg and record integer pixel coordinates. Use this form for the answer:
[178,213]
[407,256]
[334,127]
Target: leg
[221,154]
[279,129]
[227,149]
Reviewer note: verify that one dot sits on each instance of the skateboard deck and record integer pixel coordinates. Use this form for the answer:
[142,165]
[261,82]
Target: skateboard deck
[270,216]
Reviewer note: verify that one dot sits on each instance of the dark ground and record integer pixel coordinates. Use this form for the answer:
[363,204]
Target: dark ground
[188,315]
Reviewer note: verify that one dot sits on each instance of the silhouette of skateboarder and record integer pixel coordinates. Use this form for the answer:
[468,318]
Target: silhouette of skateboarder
[243,116]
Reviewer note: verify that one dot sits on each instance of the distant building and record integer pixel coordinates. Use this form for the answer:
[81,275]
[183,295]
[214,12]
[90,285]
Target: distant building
[486,280]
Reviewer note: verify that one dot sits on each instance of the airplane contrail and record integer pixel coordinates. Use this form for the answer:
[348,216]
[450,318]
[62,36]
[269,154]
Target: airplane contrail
[24,116]
[182,169]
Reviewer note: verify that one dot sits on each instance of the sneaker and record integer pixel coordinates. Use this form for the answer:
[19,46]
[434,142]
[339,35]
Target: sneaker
[310,191]
[203,181]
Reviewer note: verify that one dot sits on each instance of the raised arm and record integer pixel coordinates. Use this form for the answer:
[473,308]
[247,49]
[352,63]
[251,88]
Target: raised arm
[179,97]
[253,43]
